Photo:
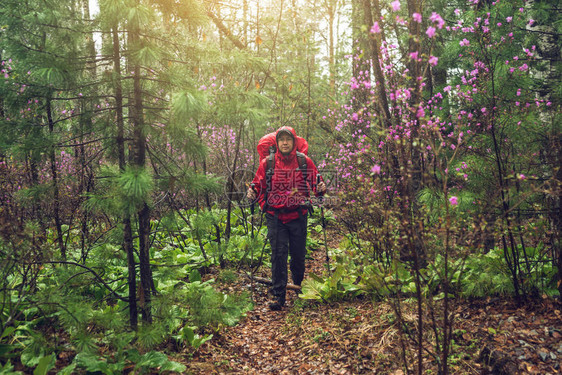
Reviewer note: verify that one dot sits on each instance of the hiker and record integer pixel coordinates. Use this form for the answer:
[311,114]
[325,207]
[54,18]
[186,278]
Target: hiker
[283,197]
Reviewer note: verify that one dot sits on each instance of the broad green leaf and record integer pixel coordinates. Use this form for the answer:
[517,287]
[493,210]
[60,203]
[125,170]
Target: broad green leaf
[45,364]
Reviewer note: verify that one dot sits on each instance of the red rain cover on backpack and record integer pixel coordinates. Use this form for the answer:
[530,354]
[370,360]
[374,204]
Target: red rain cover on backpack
[269,140]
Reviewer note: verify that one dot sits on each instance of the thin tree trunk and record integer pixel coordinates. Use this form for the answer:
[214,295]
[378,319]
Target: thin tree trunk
[126,220]
[361,69]
[375,57]
[55,184]
[86,123]
[331,51]
[139,139]
[231,182]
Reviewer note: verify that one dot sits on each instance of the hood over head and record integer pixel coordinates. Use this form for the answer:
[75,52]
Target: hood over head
[287,130]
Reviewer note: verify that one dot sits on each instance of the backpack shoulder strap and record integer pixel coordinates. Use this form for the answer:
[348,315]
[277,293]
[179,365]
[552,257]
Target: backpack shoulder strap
[270,163]
[303,166]
[270,168]
[302,161]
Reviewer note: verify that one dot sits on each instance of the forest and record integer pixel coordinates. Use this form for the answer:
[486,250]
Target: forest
[128,140]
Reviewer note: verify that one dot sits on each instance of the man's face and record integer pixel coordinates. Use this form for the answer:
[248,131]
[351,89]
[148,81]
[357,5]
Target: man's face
[285,144]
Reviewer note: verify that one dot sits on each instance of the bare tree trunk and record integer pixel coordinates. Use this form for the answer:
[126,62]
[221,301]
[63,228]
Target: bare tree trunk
[55,184]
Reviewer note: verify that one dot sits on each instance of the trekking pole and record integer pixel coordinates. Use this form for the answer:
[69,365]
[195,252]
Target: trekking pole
[321,204]
[252,207]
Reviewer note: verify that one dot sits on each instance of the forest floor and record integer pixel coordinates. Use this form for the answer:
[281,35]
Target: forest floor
[491,336]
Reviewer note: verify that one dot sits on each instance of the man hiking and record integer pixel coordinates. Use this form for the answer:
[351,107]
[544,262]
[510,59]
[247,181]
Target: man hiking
[282,187]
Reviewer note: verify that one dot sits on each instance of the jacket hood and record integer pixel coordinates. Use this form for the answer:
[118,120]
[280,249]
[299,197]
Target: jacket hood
[293,133]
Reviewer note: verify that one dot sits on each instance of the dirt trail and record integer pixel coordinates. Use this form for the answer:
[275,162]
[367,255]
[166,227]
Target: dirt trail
[361,337]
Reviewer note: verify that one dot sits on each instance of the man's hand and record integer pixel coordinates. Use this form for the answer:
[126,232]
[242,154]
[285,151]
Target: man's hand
[251,194]
[321,188]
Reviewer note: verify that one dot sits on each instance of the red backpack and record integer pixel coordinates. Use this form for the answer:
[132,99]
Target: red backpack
[268,141]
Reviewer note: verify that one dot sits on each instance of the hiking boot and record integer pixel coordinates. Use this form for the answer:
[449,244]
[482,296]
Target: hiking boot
[276,305]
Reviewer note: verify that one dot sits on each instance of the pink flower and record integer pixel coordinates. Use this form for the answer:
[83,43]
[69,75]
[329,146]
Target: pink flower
[414,55]
[453,201]
[521,176]
[395,5]
[437,18]
[375,29]
[508,19]
[417,17]
[464,42]
[531,22]
[433,60]
[376,169]
[430,31]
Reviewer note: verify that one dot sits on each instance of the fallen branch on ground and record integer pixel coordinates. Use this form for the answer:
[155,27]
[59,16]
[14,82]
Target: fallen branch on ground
[266,281]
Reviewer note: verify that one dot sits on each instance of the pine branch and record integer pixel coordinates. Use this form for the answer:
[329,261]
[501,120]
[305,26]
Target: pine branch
[96,275]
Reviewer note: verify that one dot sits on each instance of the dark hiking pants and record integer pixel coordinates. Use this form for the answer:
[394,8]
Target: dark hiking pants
[286,239]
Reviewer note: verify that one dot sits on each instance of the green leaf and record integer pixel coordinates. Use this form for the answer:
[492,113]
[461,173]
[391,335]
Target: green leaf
[5,349]
[68,370]
[92,363]
[159,360]
[312,289]
[8,368]
[194,276]
[188,334]
[45,364]
[8,331]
